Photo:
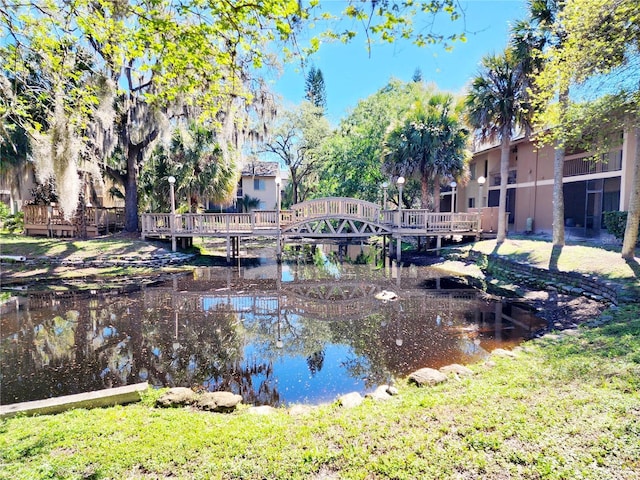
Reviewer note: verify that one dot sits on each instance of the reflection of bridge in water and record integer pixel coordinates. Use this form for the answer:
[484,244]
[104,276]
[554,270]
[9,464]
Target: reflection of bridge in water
[317,299]
[324,218]
[332,300]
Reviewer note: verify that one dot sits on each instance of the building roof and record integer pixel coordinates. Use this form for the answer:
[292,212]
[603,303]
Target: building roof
[261,169]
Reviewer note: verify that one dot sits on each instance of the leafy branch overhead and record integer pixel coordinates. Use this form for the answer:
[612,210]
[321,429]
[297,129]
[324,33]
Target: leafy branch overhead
[96,85]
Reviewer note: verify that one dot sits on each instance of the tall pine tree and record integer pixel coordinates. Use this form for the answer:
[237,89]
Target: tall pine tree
[315,90]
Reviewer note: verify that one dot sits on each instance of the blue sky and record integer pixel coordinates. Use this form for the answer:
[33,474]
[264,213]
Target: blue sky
[351,75]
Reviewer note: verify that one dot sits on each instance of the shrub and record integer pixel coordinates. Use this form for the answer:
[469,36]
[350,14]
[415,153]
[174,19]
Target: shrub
[14,223]
[616,223]
[4,211]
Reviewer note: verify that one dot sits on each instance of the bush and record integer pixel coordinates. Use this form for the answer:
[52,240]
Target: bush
[616,222]
[14,223]
[4,211]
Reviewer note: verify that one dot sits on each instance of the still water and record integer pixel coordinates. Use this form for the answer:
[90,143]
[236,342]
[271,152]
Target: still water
[305,331]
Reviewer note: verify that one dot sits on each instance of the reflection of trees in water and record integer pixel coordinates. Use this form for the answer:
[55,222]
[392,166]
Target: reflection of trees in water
[175,338]
[119,343]
[315,361]
[364,337]
[252,379]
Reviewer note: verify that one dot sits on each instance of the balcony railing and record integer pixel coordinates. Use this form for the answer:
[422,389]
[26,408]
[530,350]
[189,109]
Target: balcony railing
[610,162]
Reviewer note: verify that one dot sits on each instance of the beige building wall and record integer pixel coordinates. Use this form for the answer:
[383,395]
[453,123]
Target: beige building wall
[262,188]
[530,187]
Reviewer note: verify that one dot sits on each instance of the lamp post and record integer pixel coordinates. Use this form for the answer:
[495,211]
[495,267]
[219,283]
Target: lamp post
[278,238]
[172,181]
[453,196]
[481,181]
[400,183]
[385,185]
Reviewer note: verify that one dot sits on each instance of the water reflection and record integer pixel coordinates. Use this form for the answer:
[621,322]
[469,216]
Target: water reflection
[305,331]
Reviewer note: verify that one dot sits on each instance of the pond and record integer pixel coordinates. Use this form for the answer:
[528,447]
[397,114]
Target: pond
[304,331]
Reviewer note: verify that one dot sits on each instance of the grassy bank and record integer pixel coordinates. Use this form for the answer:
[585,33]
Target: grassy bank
[72,263]
[564,407]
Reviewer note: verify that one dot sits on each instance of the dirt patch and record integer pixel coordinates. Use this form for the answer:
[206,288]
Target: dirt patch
[563,311]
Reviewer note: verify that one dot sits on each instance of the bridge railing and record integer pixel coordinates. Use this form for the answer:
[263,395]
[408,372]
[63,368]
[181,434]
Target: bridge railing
[337,206]
[432,221]
[422,221]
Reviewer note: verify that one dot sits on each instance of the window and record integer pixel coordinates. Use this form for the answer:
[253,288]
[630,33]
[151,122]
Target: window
[472,171]
[240,194]
[472,202]
[259,184]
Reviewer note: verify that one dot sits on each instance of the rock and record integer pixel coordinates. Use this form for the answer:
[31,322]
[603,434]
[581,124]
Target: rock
[262,410]
[296,410]
[219,401]
[177,397]
[380,393]
[501,352]
[350,400]
[427,376]
[391,390]
[386,295]
[457,369]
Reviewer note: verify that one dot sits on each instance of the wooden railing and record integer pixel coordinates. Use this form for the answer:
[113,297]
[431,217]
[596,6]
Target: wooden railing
[49,220]
[337,207]
[266,221]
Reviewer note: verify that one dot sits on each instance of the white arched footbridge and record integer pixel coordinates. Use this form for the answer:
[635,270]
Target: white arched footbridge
[323,218]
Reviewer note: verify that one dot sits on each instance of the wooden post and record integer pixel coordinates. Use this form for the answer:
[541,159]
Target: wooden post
[228,248]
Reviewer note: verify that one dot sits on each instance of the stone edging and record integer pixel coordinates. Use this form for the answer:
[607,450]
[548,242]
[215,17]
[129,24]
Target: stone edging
[571,283]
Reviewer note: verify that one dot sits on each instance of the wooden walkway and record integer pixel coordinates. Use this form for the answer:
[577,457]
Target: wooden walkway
[325,218]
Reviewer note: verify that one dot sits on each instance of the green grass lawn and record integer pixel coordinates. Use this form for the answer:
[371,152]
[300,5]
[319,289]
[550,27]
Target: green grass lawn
[566,407]
[35,247]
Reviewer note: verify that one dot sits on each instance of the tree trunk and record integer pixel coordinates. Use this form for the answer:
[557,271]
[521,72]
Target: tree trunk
[633,216]
[558,196]
[558,187]
[424,191]
[504,178]
[294,190]
[134,155]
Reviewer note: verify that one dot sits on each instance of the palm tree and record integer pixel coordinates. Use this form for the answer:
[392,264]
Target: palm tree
[202,169]
[530,38]
[496,104]
[429,143]
[248,203]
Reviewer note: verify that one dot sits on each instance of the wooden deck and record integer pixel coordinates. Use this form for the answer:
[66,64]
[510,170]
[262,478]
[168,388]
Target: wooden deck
[49,221]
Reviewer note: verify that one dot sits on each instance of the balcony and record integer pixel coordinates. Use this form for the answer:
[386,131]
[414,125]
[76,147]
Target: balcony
[511,179]
[610,162]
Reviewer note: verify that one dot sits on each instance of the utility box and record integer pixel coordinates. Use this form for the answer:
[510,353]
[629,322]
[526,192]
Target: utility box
[529,226]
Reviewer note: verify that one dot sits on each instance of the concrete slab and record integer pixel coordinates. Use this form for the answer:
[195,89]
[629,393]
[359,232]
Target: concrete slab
[99,398]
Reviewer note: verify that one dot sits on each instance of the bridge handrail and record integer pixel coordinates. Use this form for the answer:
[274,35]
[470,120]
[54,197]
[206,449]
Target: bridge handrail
[422,221]
[337,206]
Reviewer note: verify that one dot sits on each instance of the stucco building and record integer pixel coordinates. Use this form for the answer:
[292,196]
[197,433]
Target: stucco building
[590,187]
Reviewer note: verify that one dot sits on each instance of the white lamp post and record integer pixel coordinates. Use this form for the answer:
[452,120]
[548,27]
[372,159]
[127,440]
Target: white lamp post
[453,196]
[278,238]
[172,181]
[481,181]
[400,183]
[385,185]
